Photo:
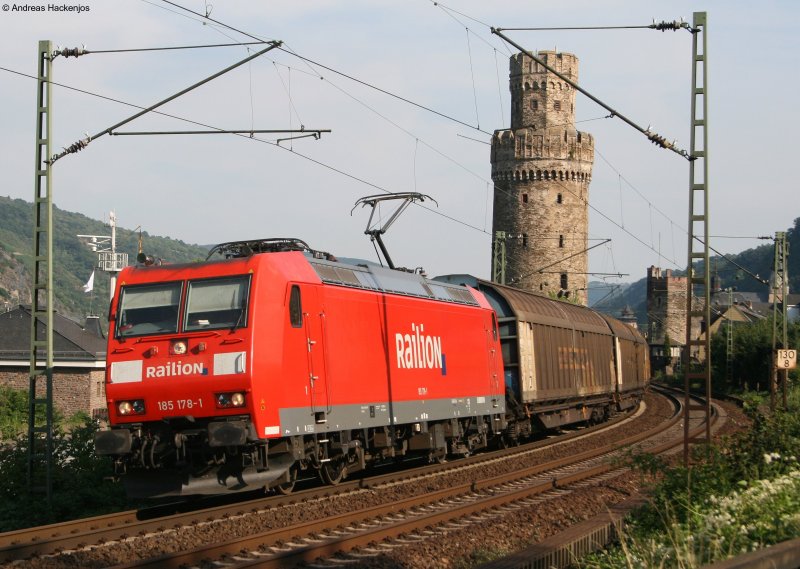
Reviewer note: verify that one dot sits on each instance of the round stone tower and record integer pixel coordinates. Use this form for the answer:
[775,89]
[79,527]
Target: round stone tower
[541,169]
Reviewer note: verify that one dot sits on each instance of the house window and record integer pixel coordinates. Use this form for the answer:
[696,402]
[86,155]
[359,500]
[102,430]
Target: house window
[564,282]
[561,241]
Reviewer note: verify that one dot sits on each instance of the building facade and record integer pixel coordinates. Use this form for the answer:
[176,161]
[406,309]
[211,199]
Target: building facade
[79,359]
[541,168]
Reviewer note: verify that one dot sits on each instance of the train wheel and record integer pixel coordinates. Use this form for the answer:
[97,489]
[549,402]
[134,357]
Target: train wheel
[333,472]
[287,487]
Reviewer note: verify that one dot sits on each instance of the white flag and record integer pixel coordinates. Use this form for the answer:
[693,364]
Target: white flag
[89,286]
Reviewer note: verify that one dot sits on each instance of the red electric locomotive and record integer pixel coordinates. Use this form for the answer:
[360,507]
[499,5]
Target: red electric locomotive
[234,374]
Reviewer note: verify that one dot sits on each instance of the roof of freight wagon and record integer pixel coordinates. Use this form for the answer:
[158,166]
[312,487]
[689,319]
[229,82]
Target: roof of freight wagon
[540,309]
[622,330]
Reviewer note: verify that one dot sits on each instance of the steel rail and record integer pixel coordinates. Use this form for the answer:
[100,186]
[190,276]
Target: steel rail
[314,549]
[23,543]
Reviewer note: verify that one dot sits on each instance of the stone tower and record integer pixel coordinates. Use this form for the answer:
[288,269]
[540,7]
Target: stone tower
[541,168]
[666,307]
[666,313]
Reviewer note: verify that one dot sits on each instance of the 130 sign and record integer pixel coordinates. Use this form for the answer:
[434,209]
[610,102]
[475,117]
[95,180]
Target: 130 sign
[786,359]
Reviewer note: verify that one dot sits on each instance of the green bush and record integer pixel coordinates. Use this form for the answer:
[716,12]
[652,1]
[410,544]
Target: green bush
[14,413]
[738,497]
[80,487]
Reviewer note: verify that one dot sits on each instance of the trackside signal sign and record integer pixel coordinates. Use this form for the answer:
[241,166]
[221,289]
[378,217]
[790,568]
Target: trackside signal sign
[786,359]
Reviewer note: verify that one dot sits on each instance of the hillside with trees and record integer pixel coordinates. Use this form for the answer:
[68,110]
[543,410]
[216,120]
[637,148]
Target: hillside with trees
[73,260]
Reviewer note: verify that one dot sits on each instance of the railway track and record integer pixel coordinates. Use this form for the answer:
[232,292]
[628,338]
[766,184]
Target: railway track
[419,518]
[321,538]
[78,533]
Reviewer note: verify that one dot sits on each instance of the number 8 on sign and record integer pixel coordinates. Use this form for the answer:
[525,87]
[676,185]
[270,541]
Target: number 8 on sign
[786,359]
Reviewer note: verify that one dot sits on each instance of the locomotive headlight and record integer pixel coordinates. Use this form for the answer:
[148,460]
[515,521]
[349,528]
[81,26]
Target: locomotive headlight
[134,407]
[178,347]
[227,400]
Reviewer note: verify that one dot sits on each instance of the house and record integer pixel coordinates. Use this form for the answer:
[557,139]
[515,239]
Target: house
[79,360]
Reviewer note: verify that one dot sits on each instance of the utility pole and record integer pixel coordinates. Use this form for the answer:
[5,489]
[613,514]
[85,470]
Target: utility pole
[698,239]
[40,429]
[780,280]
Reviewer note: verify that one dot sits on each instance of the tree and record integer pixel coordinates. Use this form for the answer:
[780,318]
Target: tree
[752,354]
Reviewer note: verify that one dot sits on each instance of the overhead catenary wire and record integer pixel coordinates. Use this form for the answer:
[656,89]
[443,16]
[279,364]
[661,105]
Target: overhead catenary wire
[484,228]
[332,168]
[653,137]
[310,132]
[662,26]
[85,51]
[472,76]
[310,61]
[332,70]
[81,144]
[449,12]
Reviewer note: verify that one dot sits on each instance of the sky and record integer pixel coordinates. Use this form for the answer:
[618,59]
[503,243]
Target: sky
[411,91]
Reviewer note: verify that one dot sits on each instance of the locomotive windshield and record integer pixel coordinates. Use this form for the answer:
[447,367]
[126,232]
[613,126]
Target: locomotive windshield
[149,309]
[217,303]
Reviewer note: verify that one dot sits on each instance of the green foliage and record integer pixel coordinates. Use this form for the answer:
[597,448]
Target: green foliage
[740,496]
[14,413]
[73,261]
[79,485]
[752,354]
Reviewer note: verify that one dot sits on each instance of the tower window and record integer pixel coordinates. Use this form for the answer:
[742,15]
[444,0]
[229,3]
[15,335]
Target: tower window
[564,283]
[524,239]
[561,241]
[559,198]
[534,104]
[524,198]
[556,105]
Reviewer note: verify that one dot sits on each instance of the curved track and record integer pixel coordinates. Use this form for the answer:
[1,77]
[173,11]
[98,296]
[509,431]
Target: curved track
[321,538]
[121,525]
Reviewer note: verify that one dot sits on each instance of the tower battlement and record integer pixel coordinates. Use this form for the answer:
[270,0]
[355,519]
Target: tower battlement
[564,63]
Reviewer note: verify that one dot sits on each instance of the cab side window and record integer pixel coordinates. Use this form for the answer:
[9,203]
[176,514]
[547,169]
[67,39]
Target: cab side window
[295,308]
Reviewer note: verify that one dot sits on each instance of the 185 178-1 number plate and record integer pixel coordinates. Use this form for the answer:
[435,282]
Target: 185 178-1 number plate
[180,404]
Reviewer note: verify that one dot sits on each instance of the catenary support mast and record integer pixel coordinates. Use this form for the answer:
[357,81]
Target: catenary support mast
[40,400]
[698,307]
